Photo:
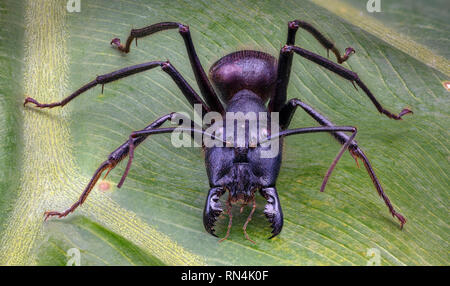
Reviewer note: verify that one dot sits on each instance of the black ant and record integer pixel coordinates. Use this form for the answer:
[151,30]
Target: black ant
[246,80]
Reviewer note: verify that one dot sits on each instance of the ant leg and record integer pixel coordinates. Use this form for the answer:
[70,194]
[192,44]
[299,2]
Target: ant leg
[327,44]
[202,80]
[285,60]
[113,159]
[182,84]
[194,128]
[337,69]
[142,32]
[286,115]
[105,165]
[332,129]
[345,73]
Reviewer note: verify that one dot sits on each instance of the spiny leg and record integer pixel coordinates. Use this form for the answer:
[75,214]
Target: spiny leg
[356,152]
[142,32]
[113,159]
[205,86]
[285,61]
[146,132]
[182,84]
[332,129]
[327,44]
[104,166]
[273,208]
[345,73]
[336,160]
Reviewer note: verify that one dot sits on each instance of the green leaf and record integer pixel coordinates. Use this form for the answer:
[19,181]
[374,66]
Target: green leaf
[48,156]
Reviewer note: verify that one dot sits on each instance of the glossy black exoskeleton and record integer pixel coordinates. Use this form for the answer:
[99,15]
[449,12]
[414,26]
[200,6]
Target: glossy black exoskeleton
[246,81]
